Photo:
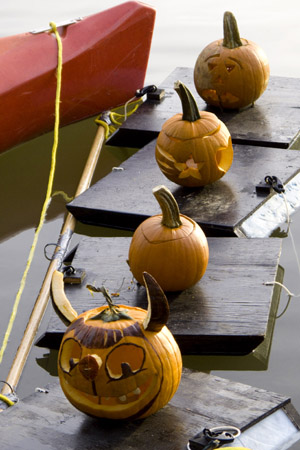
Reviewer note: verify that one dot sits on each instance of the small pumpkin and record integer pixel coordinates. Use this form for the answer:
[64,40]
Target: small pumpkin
[231,72]
[170,246]
[119,362]
[193,148]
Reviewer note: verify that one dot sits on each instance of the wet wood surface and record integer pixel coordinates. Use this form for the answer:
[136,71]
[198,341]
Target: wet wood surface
[230,311]
[273,121]
[49,421]
[123,199]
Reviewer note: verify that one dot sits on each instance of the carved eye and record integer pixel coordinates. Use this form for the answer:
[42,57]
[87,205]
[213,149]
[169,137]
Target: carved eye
[211,66]
[124,361]
[70,354]
[229,67]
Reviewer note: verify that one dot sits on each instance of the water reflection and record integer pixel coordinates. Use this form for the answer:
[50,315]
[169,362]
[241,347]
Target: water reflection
[26,184]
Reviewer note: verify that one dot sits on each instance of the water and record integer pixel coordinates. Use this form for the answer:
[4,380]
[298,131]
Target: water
[181,31]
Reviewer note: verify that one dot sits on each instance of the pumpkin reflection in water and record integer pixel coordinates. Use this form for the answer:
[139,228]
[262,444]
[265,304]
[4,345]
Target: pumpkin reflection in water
[121,362]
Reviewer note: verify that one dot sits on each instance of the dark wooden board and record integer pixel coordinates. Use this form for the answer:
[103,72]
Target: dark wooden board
[123,199]
[226,312]
[49,421]
[273,121]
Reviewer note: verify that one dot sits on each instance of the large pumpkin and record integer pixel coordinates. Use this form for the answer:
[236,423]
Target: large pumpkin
[170,246]
[193,148]
[231,72]
[119,362]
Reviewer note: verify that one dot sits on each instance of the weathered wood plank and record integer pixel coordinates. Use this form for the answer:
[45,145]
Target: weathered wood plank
[227,312]
[258,359]
[123,199]
[273,121]
[49,421]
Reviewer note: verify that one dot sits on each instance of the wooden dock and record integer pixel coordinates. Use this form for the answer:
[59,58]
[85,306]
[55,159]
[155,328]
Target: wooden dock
[48,421]
[273,122]
[123,199]
[240,203]
[229,311]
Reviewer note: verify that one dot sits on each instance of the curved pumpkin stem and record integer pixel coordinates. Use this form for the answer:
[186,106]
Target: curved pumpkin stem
[190,110]
[231,32]
[169,207]
[112,313]
[158,306]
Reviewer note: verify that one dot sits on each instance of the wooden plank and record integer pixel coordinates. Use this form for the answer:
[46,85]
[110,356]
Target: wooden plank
[258,359]
[49,421]
[123,199]
[226,312]
[274,120]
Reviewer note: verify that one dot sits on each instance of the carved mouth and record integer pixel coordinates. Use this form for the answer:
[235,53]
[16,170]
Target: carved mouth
[111,401]
[125,399]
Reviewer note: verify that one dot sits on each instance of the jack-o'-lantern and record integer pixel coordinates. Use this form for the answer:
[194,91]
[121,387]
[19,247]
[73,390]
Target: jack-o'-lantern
[193,148]
[231,72]
[116,361]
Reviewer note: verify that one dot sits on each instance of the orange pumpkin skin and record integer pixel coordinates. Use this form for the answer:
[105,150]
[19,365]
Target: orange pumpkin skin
[231,78]
[194,153]
[117,369]
[177,258]
[170,246]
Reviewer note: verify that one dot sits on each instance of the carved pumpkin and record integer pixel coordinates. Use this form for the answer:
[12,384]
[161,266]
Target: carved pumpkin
[120,362]
[193,148]
[170,246]
[231,72]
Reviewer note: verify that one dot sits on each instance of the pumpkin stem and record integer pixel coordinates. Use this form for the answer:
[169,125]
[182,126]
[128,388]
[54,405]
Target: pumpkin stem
[169,207]
[231,32]
[112,313]
[190,110]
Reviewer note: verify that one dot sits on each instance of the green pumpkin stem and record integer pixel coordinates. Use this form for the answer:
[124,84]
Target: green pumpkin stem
[231,32]
[112,313]
[169,207]
[190,110]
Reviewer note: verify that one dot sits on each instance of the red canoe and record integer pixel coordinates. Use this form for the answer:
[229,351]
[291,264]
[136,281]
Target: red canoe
[105,57]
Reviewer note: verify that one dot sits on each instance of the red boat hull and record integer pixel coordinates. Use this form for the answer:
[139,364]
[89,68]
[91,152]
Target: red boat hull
[105,58]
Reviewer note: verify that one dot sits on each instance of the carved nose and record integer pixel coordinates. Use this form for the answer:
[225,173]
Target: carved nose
[89,366]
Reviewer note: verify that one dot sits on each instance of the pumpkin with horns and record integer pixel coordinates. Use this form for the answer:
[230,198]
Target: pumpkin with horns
[193,148]
[231,72]
[118,362]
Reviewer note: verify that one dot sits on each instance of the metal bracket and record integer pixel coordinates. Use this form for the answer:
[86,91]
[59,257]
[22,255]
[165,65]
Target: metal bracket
[216,437]
[268,183]
[61,24]
[152,92]
[156,96]
[73,276]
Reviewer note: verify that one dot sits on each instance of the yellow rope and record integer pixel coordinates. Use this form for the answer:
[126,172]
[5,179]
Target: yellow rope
[48,193]
[117,118]
[65,196]
[6,400]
